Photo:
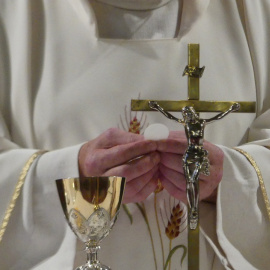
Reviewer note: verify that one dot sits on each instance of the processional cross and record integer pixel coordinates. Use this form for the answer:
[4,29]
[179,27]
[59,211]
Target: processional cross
[195,159]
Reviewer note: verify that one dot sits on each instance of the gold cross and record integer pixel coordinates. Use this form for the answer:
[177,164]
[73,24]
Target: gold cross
[194,73]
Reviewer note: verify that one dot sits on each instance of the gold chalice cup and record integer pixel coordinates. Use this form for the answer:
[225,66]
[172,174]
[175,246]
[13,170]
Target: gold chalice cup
[91,206]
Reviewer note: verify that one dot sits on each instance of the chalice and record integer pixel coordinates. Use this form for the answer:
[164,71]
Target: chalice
[91,206]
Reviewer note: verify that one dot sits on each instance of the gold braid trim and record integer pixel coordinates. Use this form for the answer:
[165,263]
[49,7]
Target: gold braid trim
[258,171]
[17,192]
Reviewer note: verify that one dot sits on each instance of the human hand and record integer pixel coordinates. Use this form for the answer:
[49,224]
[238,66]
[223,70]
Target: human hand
[121,153]
[171,172]
[235,107]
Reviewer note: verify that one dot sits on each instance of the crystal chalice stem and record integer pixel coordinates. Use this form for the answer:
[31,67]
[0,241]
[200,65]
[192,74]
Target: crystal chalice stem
[92,258]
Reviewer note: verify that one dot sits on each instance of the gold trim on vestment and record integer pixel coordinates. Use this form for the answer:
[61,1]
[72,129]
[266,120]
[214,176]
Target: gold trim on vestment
[17,192]
[258,171]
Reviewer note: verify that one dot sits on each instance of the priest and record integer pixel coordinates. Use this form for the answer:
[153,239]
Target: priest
[68,70]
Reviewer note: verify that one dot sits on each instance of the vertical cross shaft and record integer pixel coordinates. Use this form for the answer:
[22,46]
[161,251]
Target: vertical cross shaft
[193,94]
[193,63]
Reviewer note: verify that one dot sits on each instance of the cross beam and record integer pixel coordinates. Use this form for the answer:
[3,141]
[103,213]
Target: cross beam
[194,72]
[198,105]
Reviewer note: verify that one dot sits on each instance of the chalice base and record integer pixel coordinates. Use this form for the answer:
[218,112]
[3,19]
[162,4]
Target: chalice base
[95,266]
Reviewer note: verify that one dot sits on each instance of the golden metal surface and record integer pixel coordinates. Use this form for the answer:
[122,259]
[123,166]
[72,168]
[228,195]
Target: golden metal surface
[193,249]
[260,178]
[194,93]
[198,105]
[17,192]
[194,61]
[91,204]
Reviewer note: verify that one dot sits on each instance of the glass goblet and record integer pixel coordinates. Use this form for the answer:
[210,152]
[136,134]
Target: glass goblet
[91,206]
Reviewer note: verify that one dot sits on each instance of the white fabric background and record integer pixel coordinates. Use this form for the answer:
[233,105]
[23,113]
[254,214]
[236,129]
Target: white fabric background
[58,79]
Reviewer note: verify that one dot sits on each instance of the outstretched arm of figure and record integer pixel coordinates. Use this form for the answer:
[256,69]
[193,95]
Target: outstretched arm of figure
[154,105]
[235,107]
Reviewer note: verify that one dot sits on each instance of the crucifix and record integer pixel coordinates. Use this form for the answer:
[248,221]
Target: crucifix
[195,159]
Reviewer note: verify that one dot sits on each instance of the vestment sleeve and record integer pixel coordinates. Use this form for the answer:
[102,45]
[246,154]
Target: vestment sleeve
[242,239]
[33,234]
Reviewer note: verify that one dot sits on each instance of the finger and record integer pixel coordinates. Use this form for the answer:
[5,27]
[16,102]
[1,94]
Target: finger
[135,185]
[136,168]
[207,189]
[172,189]
[123,153]
[140,188]
[114,136]
[177,135]
[216,173]
[215,154]
[172,146]
[102,160]
[172,161]
[178,179]
[149,188]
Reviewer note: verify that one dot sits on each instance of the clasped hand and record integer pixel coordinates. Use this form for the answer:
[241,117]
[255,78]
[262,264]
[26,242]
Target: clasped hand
[143,162]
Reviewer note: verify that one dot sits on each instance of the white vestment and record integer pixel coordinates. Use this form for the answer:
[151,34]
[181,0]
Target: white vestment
[62,85]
